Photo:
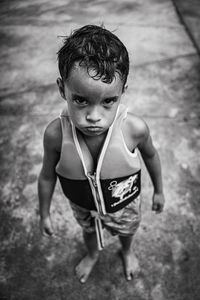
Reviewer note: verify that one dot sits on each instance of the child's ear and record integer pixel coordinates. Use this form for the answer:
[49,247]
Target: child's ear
[125,88]
[61,87]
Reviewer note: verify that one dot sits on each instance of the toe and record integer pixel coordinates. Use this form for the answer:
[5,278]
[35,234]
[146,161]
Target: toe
[83,279]
[128,276]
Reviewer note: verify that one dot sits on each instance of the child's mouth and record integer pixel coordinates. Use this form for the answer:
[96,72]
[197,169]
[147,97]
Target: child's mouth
[94,129]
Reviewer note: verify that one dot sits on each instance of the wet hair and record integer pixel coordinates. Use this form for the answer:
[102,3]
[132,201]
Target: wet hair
[96,48]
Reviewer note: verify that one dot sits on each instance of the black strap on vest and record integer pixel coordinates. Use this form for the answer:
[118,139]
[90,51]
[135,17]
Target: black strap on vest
[117,193]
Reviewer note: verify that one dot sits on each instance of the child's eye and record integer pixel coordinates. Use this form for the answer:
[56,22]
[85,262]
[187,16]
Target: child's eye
[81,102]
[109,102]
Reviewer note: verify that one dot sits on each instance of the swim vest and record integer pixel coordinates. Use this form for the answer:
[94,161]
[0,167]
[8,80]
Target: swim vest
[116,180]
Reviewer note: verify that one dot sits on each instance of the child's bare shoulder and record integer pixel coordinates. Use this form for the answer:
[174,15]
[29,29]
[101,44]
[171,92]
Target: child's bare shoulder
[53,135]
[136,126]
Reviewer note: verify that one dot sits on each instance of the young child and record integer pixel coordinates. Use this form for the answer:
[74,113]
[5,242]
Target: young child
[93,147]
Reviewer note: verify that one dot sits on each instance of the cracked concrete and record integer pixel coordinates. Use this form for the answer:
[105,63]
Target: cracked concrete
[163,89]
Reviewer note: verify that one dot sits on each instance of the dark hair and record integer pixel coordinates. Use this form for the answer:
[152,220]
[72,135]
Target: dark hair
[97,48]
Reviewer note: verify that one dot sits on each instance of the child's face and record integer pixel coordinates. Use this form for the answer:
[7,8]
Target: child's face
[92,103]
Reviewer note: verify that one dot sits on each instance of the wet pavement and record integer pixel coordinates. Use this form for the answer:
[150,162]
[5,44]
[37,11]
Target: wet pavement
[163,88]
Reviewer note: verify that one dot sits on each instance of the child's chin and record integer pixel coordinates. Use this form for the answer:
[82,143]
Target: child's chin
[94,133]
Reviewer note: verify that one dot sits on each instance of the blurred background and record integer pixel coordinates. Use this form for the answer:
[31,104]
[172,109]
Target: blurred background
[163,40]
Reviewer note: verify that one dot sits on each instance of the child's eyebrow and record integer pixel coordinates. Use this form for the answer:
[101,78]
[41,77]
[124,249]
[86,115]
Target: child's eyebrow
[111,98]
[78,96]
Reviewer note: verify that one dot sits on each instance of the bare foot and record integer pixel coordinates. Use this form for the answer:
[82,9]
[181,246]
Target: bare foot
[84,268]
[131,264]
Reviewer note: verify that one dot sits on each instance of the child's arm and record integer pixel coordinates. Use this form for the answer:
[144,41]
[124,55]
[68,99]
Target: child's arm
[152,162]
[47,178]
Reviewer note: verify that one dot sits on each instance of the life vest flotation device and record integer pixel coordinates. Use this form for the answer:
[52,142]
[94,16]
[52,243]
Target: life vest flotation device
[116,180]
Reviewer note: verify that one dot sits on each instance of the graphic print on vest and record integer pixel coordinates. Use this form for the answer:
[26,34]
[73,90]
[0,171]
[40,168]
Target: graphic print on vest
[120,192]
[124,189]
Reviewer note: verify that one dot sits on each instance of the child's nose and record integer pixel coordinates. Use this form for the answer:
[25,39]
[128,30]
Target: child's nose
[93,116]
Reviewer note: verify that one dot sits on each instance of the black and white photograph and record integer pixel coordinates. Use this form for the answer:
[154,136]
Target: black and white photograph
[100,150]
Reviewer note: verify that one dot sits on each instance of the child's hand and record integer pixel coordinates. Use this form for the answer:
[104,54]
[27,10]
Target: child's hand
[158,202]
[46,226]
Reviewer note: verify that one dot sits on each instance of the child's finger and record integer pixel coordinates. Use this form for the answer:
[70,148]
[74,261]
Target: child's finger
[154,207]
[48,232]
[159,208]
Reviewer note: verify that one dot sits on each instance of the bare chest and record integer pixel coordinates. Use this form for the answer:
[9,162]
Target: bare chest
[94,145]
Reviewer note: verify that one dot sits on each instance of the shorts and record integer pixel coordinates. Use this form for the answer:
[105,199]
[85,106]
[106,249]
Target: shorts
[123,222]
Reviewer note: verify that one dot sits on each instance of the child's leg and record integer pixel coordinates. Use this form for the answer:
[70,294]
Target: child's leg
[130,261]
[86,265]
[125,223]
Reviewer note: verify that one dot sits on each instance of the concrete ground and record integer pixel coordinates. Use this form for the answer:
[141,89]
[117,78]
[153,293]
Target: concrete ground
[163,89]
